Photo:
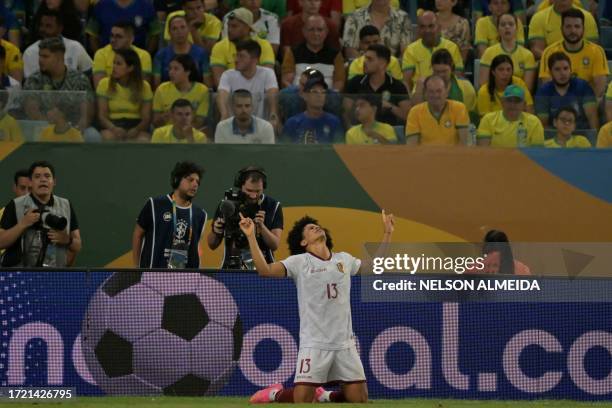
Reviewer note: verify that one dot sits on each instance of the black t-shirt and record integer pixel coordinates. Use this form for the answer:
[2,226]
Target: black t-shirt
[272,220]
[392,90]
[13,254]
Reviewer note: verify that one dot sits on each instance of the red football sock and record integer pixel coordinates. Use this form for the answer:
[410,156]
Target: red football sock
[337,396]
[286,395]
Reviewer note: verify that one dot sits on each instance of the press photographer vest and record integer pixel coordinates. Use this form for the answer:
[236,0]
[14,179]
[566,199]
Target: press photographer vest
[60,207]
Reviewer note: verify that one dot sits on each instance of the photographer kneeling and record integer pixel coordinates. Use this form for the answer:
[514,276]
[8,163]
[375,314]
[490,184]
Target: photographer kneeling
[39,229]
[247,198]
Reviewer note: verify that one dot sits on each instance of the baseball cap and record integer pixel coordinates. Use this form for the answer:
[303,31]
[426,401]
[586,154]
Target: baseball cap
[514,91]
[313,81]
[243,14]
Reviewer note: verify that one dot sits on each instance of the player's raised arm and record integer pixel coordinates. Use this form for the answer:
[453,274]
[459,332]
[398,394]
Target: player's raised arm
[388,221]
[273,270]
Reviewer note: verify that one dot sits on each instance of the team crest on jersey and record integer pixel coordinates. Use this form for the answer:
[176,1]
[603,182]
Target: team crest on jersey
[340,267]
[586,61]
[138,20]
[447,124]
[167,216]
[181,229]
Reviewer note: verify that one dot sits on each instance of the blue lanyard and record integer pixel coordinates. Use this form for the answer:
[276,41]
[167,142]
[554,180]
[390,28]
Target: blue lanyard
[175,232]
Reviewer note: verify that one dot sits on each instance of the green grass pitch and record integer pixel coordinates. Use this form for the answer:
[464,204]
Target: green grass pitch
[234,402]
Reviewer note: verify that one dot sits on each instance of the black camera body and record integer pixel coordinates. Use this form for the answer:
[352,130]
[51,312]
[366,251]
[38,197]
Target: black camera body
[236,202]
[50,221]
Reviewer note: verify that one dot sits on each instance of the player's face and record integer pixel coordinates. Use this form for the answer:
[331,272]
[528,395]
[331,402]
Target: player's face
[573,30]
[565,123]
[189,185]
[503,74]
[507,27]
[561,73]
[179,31]
[42,182]
[22,187]
[119,39]
[177,73]
[442,70]
[253,190]
[182,117]
[312,233]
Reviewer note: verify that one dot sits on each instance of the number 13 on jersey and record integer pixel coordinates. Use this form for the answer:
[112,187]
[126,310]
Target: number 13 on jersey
[332,291]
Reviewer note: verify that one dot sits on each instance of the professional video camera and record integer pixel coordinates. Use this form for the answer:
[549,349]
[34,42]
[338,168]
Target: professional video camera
[235,203]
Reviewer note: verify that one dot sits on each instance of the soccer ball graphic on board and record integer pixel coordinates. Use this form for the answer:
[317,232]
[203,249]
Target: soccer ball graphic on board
[161,333]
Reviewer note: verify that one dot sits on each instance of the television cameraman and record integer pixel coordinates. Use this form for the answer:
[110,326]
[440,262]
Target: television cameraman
[247,197]
[39,229]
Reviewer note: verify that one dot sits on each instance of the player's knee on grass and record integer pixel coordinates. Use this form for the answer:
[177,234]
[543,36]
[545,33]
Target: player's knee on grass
[303,393]
[355,393]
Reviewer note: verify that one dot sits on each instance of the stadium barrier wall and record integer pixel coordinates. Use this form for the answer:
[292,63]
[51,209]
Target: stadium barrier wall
[72,328]
[437,194]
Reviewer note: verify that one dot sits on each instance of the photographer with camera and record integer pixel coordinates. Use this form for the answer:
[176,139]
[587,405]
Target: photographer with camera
[39,229]
[246,198]
[168,229]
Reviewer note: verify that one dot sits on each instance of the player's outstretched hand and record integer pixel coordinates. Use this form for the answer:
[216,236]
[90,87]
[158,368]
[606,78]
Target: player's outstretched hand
[388,222]
[247,225]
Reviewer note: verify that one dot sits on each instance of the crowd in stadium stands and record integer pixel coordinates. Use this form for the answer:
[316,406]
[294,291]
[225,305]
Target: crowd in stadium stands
[507,73]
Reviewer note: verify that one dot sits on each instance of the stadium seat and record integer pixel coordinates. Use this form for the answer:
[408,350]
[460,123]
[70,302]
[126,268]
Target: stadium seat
[401,134]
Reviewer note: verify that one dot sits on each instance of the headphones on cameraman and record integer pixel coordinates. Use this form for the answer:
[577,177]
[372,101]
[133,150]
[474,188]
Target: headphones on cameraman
[243,175]
[175,178]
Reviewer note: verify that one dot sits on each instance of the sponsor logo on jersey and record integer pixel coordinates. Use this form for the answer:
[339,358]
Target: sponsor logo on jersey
[340,267]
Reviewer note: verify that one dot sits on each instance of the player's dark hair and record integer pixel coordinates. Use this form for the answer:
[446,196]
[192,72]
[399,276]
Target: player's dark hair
[497,61]
[182,170]
[188,65]
[40,163]
[367,31]
[556,57]
[250,46]
[572,13]
[20,173]
[497,241]
[296,235]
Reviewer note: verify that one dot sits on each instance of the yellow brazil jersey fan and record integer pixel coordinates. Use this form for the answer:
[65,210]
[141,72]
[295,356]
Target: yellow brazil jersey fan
[357,135]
